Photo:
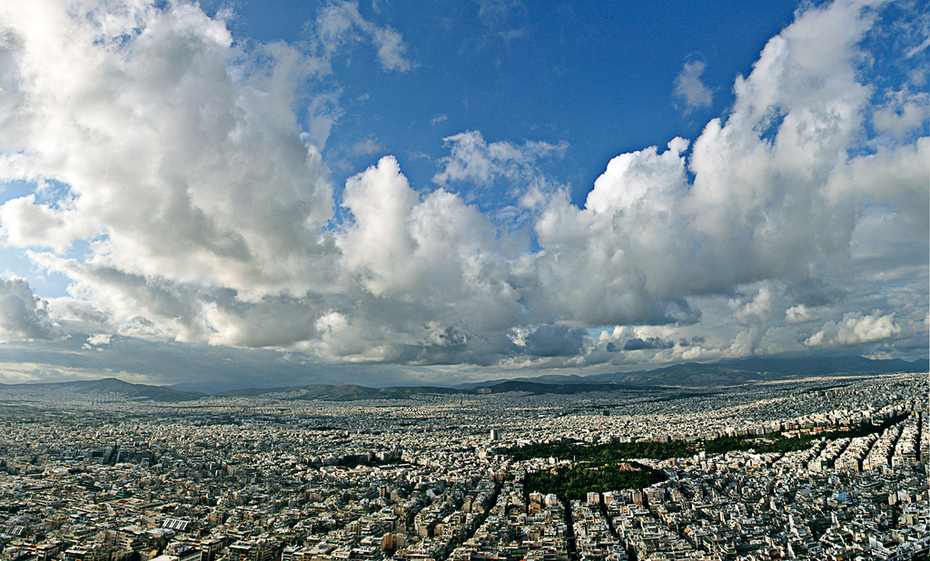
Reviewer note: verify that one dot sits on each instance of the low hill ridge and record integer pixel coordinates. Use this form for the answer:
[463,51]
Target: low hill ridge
[687,375]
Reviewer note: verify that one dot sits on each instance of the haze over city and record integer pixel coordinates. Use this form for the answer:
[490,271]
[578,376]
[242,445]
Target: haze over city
[250,193]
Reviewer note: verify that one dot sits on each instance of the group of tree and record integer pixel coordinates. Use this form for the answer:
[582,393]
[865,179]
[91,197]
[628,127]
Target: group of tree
[574,482]
[606,453]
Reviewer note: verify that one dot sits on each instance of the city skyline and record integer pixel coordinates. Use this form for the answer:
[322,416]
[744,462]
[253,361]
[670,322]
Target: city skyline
[381,194]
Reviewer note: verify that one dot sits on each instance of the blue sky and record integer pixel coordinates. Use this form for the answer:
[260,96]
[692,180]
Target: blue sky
[385,192]
[599,78]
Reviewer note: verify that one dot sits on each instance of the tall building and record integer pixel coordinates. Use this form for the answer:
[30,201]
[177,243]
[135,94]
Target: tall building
[210,549]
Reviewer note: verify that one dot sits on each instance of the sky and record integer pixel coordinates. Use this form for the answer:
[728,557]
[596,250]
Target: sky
[243,193]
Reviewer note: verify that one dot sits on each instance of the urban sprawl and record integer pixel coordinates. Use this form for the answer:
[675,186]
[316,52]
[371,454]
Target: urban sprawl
[277,477]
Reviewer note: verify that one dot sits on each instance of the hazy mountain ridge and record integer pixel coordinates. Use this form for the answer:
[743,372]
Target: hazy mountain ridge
[753,369]
[101,387]
[687,375]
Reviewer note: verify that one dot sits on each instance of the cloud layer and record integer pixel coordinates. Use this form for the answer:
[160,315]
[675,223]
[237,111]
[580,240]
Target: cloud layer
[179,189]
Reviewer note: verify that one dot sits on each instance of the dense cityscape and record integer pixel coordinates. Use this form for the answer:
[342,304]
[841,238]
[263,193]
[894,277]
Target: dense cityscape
[101,478]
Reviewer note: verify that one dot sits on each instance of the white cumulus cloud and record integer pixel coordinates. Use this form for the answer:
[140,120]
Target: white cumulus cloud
[690,89]
[24,316]
[474,159]
[208,215]
[854,329]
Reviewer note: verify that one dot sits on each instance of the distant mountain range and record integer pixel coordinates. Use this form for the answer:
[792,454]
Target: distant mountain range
[89,389]
[688,375]
[745,370]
